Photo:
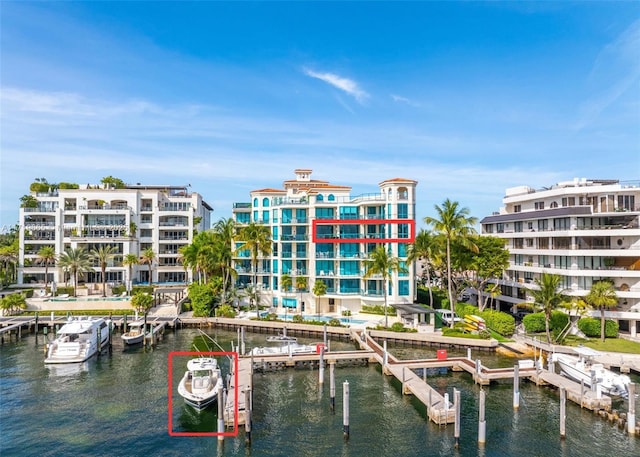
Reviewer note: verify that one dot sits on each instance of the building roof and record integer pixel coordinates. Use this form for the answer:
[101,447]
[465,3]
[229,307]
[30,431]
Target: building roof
[543,213]
[412,308]
[392,180]
[270,190]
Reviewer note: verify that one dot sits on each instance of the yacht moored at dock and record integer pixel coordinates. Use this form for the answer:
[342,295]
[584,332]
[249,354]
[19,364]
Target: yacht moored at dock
[78,340]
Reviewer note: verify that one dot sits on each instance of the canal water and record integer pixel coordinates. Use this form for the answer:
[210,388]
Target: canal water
[116,405]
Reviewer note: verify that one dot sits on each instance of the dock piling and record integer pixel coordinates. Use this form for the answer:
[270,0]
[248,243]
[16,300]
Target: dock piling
[456,431]
[345,409]
[516,386]
[321,367]
[631,415]
[563,411]
[332,387]
[247,417]
[220,413]
[482,425]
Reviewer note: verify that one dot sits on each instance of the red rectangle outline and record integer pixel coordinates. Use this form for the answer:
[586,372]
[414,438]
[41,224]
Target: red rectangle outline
[235,394]
[316,222]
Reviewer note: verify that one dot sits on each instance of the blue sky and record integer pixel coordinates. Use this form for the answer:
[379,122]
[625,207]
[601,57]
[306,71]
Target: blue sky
[468,98]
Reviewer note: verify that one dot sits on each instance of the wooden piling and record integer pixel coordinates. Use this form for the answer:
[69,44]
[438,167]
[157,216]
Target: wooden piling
[563,411]
[332,387]
[516,386]
[631,416]
[247,415]
[220,413]
[321,367]
[345,409]
[482,425]
[456,431]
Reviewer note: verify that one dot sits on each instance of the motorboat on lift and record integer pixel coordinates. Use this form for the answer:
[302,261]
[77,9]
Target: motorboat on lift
[584,369]
[200,384]
[135,334]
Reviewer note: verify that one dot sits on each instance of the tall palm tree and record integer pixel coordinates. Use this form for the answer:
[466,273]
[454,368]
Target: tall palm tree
[286,283]
[423,248]
[547,296]
[602,295]
[77,262]
[256,239]
[226,231]
[47,256]
[129,261]
[319,290]
[454,224]
[103,255]
[147,257]
[382,263]
[301,285]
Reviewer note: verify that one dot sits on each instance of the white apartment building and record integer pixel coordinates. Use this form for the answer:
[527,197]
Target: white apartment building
[129,219]
[583,230]
[320,231]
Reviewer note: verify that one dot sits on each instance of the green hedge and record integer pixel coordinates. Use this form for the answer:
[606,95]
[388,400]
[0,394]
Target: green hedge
[498,321]
[534,322]
[590,326]
[378,309]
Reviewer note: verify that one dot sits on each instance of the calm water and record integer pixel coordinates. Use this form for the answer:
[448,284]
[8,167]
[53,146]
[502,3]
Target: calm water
[117,405]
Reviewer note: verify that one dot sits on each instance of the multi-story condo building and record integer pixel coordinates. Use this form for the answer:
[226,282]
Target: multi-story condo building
[583,230]
[319,231]
[130,219]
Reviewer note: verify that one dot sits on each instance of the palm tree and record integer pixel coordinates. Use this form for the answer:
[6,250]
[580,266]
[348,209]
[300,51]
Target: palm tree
[423,248]
[602,295]
[286,283]
[77,262]
[226,231]
[301,285]
[256,239]
[129,261]
[454,224]
[381,263]
[319,290]
[148,257]
[103,255]
[47,256]
[547,296]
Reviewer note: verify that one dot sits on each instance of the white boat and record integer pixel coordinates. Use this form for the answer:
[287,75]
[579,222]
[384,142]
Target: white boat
[292,348]
[583,368]
[78,340]
[135,334]
[282,338]
[200,383]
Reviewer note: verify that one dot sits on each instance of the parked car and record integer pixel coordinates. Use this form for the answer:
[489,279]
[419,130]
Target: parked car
[447,316]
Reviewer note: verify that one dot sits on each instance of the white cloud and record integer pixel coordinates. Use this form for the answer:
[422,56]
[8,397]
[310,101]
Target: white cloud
[347,85]
[400,99]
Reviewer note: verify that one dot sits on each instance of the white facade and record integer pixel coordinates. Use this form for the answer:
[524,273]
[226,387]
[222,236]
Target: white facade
[582,230]
[131,220]
[320,231]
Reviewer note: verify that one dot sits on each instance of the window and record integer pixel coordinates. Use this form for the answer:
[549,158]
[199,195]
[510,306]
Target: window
[265,202]
[529,242]
[488,228]
[325,213]
[517,226]
[255,216]
[403,266]
[319,198]
[301,215]
[403,211]
[568,201]
[403,230]
[562,223]
[265,216]
[538,205]
[286,216]
[403,287]
[348,212]
[402,249]
[255,202]
[543,225]
[517,208]
[331,197]
[500,227]
[553,205]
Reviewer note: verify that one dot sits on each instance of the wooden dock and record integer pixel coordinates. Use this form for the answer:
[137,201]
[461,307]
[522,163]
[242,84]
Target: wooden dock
[577,393]
[244,383]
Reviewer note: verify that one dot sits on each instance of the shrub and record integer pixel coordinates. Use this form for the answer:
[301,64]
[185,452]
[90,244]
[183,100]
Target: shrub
[590,326]
[534,322]
[397,327]
[558,321]
[297,318]
[377,309]
[346,312]
[503,323]
[225,311]
[334,323]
